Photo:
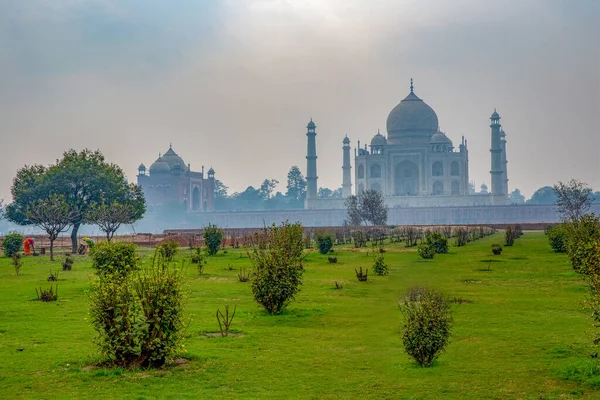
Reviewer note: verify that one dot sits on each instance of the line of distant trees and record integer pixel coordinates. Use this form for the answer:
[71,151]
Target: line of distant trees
[267,197]
[544,195]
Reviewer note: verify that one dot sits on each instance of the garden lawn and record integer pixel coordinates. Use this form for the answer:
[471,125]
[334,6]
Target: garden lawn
[520,323]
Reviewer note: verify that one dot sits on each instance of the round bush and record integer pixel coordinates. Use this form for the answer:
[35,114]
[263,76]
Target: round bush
[425,250]
[325,243]
[12,244]
[556,238]
[438,242]
[115,258]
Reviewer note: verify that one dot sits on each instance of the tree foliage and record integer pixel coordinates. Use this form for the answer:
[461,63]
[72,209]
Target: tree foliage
[573,199]
[53,215]
[296,184]
[267,188]
[516,197]
[427,324]
[369,206]
[115,258]
[544,195]
[83,179]
[110,217]
[213,238]
[277,257]
[324,242]
[12,244]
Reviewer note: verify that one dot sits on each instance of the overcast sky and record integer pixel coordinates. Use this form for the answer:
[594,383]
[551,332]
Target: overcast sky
[232,84]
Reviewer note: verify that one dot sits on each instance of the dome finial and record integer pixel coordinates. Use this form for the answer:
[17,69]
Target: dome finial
[411,85]
[170,145]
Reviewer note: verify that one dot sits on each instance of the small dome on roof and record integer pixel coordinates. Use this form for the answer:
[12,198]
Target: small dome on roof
[142,167]
[311,125]
[159,166]
[378,140]
[211,171]
[440,137]
[495,115]
[173,160]
[346,140]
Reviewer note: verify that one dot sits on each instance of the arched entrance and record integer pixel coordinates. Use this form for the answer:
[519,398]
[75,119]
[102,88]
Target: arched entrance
[406,178]
[196,199]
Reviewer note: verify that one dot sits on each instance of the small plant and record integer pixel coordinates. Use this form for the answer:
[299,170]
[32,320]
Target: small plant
[199,257]
[509,236]
[324,243]
[67,264]
[244,275]
[17,263]
[230,267]
[168,249]
[557,239]
[213,238]
[332,259]
[12,244]
[425,250]
[47,295]
[438,242]
[225,320]
[427,324]
[362,277]
[53,276]
[380,267]
[359,238]
[338,286]
[496,249]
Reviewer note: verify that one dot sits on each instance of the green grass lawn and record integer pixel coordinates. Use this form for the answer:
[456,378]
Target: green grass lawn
[522,323]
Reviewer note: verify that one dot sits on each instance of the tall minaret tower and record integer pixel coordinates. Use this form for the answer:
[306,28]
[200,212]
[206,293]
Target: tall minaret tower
[497,170]
[504,162]
[311,162]
[346,169]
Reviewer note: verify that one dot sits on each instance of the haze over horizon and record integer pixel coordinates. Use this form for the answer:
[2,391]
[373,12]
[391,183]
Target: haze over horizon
[232,84]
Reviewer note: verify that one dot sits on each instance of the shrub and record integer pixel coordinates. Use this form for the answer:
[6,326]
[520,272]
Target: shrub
[168,249]
[380,267]
[359,238]
[362,277]
[556,238]
[462,237]
[115,258]
[213,237]
[427,324]
[496,249]
[17,263]
[438,242]
[67,264]
[324,243]
[12,244]
[581,238]
[278,261]
[425,250]
[332,259]
[509,236]
[199,257]
[47,295]
[138,317]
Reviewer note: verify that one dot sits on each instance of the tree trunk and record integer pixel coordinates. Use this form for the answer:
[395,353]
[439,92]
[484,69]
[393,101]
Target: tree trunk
[51,249]
[74,237]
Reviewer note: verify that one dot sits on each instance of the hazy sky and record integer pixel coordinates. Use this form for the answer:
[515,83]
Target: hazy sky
[232,84]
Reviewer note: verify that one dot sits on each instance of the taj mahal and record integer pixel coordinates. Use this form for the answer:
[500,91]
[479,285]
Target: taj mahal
[415,165]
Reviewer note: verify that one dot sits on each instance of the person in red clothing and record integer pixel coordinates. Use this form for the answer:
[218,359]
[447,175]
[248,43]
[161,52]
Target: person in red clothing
[28,246]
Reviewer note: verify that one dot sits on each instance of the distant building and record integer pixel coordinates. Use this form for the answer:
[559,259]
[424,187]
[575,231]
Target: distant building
[416,165]
[171,181]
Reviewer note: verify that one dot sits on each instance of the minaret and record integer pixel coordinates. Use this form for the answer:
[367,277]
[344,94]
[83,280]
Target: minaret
[311,162]
[497,170]
[346,170]
[504,162]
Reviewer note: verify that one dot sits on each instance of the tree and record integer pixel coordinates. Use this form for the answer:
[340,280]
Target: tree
[213,238]
[2,210]
[353,214]
[324,193]
[544,195]
[337,193]
[277,258]
[573,199]
[427,324]
[220,190]
[54,215]
[84,179]
[267,188]
[372,207]
[110,217]
[296,184]
[516,197]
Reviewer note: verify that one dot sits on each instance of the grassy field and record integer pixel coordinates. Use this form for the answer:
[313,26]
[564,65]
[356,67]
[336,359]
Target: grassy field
[521,324]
